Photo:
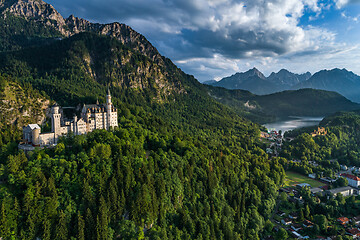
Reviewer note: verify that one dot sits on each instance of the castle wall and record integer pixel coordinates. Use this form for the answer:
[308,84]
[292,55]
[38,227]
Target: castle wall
[46,139]
[81,127]
[114,119]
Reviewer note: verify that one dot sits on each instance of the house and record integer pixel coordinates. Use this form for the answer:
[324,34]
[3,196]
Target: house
[328,180]
[302,185]
[280,213]
[296,235]
[356,220]
[354,181]
[296,227]
[316,191]
[286,221]
[345,191]
[312,175]
[308,224]
[344,167]
[354,232]
[343,220]
[293,215]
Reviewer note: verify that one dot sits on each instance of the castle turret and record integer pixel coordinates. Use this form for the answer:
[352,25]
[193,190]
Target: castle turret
[55,119]
[35,136]
[108,110]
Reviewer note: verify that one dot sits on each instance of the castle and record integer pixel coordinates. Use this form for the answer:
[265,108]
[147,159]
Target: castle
[93,116]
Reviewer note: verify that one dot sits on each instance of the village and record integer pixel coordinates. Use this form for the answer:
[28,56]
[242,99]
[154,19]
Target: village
[292,212]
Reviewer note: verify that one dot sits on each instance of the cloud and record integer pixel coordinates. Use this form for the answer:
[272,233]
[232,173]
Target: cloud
[218,36]
[341,3]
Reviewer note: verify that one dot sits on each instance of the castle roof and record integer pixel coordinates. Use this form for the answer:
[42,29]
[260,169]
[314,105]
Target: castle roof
[33,126]
[94,108]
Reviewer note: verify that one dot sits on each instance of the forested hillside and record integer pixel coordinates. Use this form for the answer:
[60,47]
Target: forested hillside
[179,166]
[340,145]
[265,108]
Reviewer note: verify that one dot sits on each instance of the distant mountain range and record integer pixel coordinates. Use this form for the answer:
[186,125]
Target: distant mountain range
[339,80]
[255,81]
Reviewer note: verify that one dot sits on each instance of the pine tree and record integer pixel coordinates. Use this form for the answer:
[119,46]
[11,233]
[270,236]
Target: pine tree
[102,222]
[89,225]
[80,227]
[4,225]
[61,232]
[47,229]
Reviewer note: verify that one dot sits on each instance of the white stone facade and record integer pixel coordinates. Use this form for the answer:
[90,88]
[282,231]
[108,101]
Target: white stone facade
[93,116]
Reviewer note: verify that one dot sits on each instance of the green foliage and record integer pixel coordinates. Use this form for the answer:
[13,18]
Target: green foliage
[265,108]
[169,189]
[17,33]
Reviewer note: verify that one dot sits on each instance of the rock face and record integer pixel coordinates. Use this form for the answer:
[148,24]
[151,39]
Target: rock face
[255,82]
[120,67]
[46,14]
[252,80]
[288,79]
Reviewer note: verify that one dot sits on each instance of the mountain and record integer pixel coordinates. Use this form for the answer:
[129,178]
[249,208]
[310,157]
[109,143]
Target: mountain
[340,80]
[209,82]
[93,60]
[254,81]
[304,102]
[25,23]
[266,108]
[288,79]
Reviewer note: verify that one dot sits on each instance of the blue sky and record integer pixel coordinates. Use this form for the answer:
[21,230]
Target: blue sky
[211,39]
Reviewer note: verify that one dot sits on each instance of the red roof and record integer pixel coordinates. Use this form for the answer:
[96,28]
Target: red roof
[343,220]
[354,231]
[350,176]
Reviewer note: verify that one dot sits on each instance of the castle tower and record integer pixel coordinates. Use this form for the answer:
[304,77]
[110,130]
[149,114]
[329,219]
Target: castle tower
[108,110]
[55,119]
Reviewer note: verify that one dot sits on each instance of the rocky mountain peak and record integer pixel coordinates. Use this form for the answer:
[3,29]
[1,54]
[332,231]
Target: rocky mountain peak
[255,72]
[42,12]
[36,10]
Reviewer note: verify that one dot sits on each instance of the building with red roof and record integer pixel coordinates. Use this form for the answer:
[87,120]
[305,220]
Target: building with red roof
[343,220]
[354,181]
[354,232]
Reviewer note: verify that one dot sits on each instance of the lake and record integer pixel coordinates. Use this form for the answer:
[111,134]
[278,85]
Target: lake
[292,123]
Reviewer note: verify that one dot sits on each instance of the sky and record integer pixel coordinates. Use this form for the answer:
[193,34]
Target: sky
[212,39]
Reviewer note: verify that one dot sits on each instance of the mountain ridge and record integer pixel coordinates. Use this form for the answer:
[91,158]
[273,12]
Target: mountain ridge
[45,14]
[254,81]
[342,81]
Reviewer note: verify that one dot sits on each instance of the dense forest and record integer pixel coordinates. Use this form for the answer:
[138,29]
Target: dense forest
[179,166]
[143,179]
